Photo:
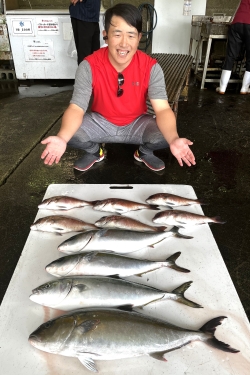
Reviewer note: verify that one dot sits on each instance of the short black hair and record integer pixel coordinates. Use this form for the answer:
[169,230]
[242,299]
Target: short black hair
[128,12]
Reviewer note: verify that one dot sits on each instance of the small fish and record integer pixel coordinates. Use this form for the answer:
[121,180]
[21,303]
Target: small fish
[61,224]
[119,241]
[182,219]
[63,202]
[102,264]
[171,200]
[90,291]
[109,334]
[121,206]
[122,222]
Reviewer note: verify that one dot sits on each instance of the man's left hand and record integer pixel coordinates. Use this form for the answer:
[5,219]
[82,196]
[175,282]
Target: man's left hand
[180,149]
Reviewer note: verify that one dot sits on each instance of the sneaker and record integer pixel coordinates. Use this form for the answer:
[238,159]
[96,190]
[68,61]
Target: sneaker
[87,160]
[150,160]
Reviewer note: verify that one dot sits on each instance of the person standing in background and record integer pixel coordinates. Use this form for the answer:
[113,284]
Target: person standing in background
[84,16]
[238,34]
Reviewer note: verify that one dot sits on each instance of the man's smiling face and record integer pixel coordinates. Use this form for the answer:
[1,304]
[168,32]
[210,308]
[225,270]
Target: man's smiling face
[123,40]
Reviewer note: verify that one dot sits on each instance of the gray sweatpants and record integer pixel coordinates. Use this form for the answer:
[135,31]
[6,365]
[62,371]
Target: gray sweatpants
[95,129]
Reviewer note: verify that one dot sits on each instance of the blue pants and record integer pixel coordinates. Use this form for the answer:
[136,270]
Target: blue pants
[95,129]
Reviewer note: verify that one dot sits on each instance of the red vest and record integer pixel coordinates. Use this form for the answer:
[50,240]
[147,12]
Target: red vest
[132,104]
[243,13]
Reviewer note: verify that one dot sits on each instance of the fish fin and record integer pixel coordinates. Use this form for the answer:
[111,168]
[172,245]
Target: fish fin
[93,203]
[171,263]
[116,277]
[201,201]
[89,363]
[210,328]
[88,325]
[90,256]
[158,356]
[125,308]
[179,295]
[176,232]
[161,229]
[80,287]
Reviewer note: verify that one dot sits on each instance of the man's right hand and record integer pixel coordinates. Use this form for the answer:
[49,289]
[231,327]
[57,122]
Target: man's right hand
[55,148]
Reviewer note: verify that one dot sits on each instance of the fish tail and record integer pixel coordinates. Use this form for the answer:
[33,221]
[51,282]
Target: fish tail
[92,203]
[171,263]
[217,220]
[153,207]
[210,328]
[179,295]
[161,229]
[201,201]
[176,232]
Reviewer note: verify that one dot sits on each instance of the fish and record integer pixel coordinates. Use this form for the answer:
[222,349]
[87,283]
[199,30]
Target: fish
[91,291]
[121,206]
[171,200]
[63,202]
[61,224]
[122,222]
[119,241]
[112,334]
[183,219]
[102,264]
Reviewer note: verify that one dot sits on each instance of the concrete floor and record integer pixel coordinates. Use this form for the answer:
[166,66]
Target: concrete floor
[218,126]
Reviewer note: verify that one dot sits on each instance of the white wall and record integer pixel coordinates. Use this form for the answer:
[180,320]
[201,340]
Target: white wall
[172,33]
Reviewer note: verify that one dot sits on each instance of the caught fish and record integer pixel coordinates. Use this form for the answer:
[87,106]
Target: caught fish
[122,222]
[102,264]
[61,224]
[119,241]
[182,219]
[171,200]
[113,334]
[121,206]
[90,291]
[63,202]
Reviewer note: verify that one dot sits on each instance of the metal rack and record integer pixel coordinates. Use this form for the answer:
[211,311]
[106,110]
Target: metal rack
[208,29]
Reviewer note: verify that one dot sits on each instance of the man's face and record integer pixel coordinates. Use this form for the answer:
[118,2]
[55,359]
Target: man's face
[123,41]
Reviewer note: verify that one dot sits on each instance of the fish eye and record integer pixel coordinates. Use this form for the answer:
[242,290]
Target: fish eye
[47,286]
[47,324]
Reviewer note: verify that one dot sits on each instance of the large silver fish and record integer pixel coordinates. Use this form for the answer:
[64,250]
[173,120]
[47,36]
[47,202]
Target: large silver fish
[90,291]
[61,224]
[63,202]
[102,264]
[171,200]
[112,334]
[120,206]
[183,219]
[119,241]
[123,222]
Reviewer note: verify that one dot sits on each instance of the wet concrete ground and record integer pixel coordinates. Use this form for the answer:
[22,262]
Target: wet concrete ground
[218,125]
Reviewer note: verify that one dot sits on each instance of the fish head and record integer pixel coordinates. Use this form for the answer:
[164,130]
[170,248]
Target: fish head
[76,243]
[99,205]
[52,335]
[51,293]
[63,266]
[37,225]
[102,222]
[157,218]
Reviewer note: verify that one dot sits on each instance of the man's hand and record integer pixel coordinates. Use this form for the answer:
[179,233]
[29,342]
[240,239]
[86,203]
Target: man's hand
[180,149]
[55,148]
[75,1]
